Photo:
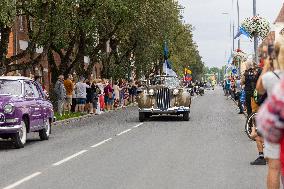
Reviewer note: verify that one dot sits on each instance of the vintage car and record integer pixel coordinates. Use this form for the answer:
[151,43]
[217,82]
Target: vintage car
[23,109]
[164,95]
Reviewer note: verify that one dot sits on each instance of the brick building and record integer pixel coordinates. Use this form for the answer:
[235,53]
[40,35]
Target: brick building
[18,41]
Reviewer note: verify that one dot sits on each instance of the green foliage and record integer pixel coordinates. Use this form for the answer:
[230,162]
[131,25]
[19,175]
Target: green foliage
[76,28]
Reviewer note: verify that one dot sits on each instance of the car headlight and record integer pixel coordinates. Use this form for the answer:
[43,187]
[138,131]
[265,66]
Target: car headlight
[175,92]
[151,92]
[8,108]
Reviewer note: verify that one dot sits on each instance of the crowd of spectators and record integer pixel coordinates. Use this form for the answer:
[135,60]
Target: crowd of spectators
[93,96]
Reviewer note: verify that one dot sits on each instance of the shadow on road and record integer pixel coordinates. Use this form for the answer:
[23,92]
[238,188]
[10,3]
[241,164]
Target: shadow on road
[8,144]
[165,118]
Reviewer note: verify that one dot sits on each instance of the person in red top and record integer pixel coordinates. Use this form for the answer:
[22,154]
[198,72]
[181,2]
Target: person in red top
[108,95]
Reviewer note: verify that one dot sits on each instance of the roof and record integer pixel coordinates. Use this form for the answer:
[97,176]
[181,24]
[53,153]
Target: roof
[280,18]
[15,78]
[268,40]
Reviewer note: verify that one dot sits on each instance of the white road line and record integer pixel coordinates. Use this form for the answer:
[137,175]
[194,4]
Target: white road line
[123,132]
[22,181]
[100,143]
[69,158]
[137,125]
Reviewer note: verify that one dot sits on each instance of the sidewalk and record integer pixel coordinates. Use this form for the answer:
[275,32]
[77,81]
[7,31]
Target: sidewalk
[84,117]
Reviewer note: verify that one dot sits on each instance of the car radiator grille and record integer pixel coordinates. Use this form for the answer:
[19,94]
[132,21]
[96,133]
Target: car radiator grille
[163,98]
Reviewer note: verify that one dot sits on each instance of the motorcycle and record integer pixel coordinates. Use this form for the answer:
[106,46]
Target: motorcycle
[201,91]
[191,92]
[196,90]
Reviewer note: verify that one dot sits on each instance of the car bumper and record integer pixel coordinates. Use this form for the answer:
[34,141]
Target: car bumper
[10,129]
[175,110]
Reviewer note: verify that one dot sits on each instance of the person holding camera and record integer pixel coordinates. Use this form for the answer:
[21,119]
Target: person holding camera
[249,82]
[271,75]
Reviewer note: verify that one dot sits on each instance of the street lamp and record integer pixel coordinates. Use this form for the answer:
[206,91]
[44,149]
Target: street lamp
[231,28]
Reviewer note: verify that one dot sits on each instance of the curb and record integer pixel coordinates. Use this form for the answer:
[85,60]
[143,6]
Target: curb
[80,118]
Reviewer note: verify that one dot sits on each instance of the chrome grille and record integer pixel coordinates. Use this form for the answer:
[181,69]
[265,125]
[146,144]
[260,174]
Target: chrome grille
[163,98]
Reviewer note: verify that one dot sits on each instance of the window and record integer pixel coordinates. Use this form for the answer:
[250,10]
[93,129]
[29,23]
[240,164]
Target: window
[10,87]
[28,90]
[39,89]
[36,92]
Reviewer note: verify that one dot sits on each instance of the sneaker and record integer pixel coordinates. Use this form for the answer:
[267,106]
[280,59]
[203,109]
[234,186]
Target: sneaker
[259,161]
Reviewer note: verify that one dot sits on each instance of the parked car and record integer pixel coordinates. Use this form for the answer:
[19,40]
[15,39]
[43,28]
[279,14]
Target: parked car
[23,109]
[165,95]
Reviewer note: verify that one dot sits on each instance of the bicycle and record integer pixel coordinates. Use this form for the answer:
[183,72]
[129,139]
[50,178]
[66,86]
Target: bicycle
[250,123]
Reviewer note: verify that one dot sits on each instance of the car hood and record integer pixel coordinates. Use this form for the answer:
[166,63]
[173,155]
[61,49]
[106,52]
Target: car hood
[4,99]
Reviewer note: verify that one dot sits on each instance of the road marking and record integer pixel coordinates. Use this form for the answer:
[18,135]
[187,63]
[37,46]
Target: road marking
[23,180]
[100,143]
[69,158]
[123,132]
[136,126]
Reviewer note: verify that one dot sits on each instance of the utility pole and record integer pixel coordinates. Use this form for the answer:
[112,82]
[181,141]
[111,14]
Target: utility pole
[238,10]
[255,36]
[233,35]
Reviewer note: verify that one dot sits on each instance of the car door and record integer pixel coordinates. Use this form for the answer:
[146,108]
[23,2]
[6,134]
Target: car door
[42,102]
[32,106]
[39,114]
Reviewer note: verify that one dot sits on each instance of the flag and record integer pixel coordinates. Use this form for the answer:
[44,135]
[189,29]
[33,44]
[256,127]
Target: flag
[242,31]
[187,71]
[230,59]
[166,51]
[167,67]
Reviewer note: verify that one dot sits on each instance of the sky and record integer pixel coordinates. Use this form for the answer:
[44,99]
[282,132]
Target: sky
[212,31]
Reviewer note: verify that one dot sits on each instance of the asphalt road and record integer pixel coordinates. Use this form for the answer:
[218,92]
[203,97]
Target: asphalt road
[115,151]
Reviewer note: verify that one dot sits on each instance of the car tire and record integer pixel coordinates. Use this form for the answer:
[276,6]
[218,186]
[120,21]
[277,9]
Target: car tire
[186,116]
[20,137]
[141,116]
[44,133]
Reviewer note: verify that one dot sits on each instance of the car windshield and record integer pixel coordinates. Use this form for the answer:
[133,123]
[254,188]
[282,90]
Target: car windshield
[170,82]
[10,87]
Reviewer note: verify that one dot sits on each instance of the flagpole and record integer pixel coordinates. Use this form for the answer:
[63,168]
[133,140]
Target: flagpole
[255,36]
[238,10]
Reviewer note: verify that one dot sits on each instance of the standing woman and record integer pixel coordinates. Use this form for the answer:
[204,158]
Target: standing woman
[116,90]
[271,75]
[227,86]
[108,95]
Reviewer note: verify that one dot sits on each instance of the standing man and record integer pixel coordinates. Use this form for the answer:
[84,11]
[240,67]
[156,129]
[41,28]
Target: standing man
[60,93]
[68,84]
[238,88]
[81,94]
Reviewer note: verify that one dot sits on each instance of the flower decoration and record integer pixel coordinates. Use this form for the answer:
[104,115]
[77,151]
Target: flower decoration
[238,57]
[256,26]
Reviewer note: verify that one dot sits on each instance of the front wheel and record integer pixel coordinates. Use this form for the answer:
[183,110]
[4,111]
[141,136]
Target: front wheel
[141,116]
[250,123]
[20,137]
[44,133]
[186,116]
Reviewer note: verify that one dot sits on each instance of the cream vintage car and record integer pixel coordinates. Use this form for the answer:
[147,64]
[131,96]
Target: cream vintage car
[164,96]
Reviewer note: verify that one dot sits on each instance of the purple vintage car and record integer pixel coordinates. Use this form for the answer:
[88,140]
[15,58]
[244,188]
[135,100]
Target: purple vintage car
[23,109]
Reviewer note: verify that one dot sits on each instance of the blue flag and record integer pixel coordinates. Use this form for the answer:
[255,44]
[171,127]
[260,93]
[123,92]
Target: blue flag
[242,31]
